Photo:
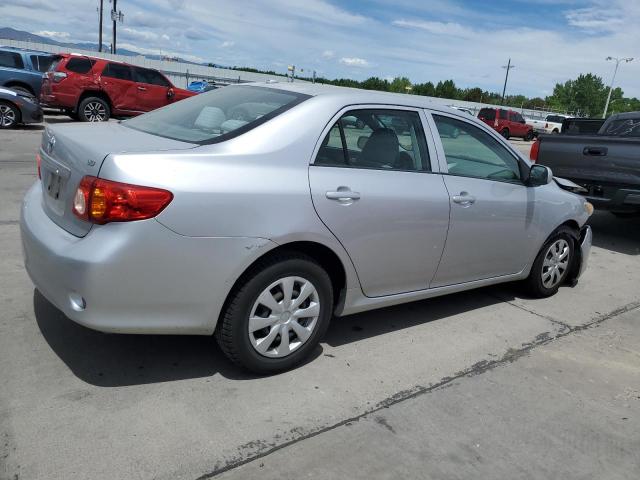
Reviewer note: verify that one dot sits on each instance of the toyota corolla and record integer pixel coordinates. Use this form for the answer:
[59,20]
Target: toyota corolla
[257,212]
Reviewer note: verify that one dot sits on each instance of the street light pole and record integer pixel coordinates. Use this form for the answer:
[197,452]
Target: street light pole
[116,16]
[508,66]
[100,27]
[617,60]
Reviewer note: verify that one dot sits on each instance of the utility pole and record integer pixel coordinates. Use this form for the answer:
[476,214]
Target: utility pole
[100,26]
[617,60]
[508,66]
[116,16]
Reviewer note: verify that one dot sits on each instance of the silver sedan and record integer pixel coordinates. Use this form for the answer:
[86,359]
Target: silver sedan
[259,227]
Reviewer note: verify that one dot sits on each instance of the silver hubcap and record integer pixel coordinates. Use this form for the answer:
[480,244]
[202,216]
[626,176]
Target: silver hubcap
[556,263]
[284,316]
[7,116]
[95,112]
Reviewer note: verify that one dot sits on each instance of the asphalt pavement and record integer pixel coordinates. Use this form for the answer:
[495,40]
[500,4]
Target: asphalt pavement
[481,384]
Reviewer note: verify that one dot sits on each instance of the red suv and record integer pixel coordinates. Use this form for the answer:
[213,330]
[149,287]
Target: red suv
[507,122]
[93,89]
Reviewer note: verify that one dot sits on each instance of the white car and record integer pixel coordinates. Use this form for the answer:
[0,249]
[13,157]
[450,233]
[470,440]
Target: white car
[554,123]
[539,125]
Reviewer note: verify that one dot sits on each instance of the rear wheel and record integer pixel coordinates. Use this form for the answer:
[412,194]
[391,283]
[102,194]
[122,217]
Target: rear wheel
[552,265]
[9,115]
[277,316]
[529,136]
[24,90]
[505,133]
[93,109]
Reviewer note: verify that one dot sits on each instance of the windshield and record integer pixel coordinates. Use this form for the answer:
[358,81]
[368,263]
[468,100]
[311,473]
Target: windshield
[629,127]
[217,115]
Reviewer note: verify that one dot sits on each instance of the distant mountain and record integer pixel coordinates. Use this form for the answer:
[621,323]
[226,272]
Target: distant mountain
[9,33]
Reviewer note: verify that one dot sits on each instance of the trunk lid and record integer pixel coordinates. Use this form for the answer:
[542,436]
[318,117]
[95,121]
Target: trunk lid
[69,152]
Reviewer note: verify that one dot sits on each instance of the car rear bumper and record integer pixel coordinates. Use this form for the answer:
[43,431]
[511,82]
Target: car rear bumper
[135,277]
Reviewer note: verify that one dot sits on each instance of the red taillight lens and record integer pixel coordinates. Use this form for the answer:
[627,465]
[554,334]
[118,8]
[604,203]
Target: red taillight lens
[535,148]
[103,201]
[38,163]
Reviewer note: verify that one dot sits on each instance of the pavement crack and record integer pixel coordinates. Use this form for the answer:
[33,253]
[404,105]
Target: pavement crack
[564,325]
[510,356]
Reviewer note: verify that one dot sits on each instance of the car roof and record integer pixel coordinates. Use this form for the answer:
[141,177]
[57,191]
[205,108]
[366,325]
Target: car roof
[354,96]
[24,50]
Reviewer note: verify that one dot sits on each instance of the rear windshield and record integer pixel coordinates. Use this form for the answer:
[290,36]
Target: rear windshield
[629,127]
[487,113]
[217,115]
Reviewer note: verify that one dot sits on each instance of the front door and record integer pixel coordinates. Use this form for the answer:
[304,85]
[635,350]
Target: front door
[492,230]
[151,89]
[373,186]
[117,82]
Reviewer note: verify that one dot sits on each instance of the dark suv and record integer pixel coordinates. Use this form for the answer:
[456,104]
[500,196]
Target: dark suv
[93,89]
[21,70]
[507,122]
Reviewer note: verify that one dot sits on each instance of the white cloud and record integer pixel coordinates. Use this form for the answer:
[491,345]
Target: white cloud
[328,54]
[440,28]
[595,19]
[54,35]
[354,62]
[227,44]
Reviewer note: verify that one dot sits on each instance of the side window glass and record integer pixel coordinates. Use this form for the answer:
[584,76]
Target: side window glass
[79,65]
[42,62]
[380,139]
[472,152]
[331,151]
[150,77]
[116,70]
[11,60]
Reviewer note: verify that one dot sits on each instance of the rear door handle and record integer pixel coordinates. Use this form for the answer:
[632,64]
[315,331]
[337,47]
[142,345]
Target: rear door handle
[595,151]
[142,89]
[343,195]
[464,199]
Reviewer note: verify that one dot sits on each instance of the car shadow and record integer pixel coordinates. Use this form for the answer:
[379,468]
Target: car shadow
[115,360]
[621,235]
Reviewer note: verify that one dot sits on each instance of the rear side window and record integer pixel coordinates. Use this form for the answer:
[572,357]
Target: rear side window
[117,70]
[79,65]
[516,117]
[378,139]
[487,114]
[11,60]
[504,114]
[41,62]
[624,128]
[150,77]
[218,115]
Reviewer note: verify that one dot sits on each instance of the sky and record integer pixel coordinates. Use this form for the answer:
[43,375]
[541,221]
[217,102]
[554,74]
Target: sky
[548,41]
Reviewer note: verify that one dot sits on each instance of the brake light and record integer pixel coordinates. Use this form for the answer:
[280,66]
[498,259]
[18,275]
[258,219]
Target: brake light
[59,76]
[38,163]
[102,201]
[535,149]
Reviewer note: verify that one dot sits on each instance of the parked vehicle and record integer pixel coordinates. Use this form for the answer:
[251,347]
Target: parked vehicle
[581,126]
[606,165]
[185,220]
[538,125]
[201,86]
[554,123]
[18,107]
[93,89]
[462,109]
[21,70]
[507,122]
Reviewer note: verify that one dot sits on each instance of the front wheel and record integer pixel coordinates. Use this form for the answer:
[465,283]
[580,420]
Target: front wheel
[9,115]
[505,133]
[277,316]
[528,137]
[93,109]
[552,265]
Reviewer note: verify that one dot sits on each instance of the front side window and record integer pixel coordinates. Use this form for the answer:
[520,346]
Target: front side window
[217,115]
[117,70]
[472,152]
[150,77]
[79,65]
[516,117]
[487,114]
[11,60]
[380,139]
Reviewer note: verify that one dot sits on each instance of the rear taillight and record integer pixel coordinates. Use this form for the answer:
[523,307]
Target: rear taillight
[546,125]
[58,76]
[38,163]
[102,201]
[535,149]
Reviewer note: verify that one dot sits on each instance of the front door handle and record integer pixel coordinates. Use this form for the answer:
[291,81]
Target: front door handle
[142,89]
[343,194]
[464,199]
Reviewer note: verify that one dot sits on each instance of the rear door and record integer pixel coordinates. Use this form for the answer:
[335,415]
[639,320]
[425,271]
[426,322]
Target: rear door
[151,88]
[376,190]
[117,81]
[519,127]
[492,228]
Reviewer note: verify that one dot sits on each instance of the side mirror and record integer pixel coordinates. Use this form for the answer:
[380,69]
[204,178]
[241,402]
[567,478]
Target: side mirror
[539,175]
[170,93]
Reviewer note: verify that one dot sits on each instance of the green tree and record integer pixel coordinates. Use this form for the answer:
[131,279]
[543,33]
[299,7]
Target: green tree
[375,83]
[586,95]
[447,89]
[400,85]
[472,94]
[427,89]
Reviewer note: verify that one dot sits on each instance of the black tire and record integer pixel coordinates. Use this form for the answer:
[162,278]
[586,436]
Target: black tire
[533,284]
[528,137]
[505,133]
[24,90]
[9,115]
[93,109]
[555,130]
[232,329]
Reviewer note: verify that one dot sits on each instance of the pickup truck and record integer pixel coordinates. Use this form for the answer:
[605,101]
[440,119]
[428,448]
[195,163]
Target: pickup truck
[21,70]
[537,124]
[606,165]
